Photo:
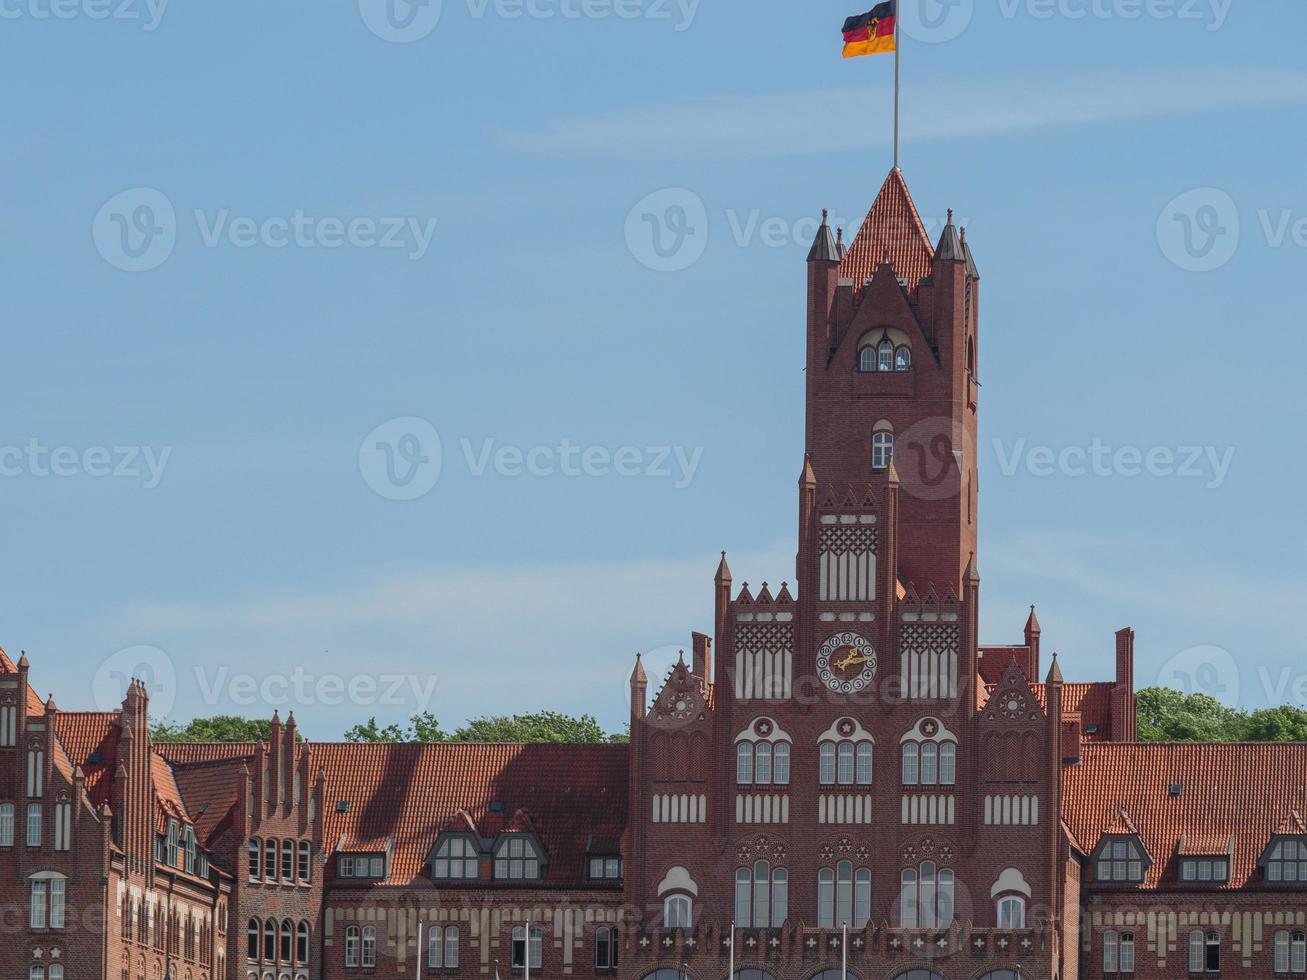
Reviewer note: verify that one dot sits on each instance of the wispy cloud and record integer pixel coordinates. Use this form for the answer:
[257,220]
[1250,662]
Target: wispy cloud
[819,121]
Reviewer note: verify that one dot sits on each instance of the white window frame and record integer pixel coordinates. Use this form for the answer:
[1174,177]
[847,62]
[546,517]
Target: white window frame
[518,952]
[678,912]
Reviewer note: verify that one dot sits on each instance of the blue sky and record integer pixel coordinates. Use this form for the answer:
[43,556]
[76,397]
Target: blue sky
[471,197]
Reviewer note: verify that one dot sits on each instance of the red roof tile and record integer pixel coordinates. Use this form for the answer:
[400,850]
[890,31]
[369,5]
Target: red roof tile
[1235,790]
[35,706]
[893,223]
[88,733]
[1092,702]
[411,792]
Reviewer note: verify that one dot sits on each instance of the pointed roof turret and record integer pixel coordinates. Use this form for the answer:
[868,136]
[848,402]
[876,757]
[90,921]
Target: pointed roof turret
[824,248]
[949,248]
[1032,624]
[723,571]
[893,232]
[972,271]
[808,478]
[840,247]
[972,573]
[23,662]
[892,473]
[638,676]
[1055,673]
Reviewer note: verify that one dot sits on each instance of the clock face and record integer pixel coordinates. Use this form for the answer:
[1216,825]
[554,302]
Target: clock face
[846,663]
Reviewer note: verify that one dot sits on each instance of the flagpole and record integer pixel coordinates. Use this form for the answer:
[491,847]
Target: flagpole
[897,17]
[731,974]
[844,953]
[418,974]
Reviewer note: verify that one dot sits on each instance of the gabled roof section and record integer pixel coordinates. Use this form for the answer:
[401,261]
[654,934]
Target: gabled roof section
[1174,790]
[91,740]
[892,224]
[35,706]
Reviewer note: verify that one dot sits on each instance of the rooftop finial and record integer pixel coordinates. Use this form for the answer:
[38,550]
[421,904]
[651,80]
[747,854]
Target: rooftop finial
[950,216]
[825,214]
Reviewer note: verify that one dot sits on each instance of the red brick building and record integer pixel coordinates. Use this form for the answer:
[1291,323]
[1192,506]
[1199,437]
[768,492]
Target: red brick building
[840,778]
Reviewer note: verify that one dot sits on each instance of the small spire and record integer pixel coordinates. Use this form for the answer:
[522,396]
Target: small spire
[949,248]
[23,663]
[892,473]
[50,706]
[638,676]
[1032,624]
[808,478]
[972,271]
[973,574]
[1055,673]
[839,243]
[823,246]
[723,572]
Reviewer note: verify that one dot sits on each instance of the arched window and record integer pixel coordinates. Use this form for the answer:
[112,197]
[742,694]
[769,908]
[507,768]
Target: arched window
[847,761]
[885,355]
[605,949]
[520,951]
[867,359]
[1290,952]
[305,862]
[302,943]
[762,755]
[1012,912]
[270,941]
[926,898]
[919,975]
[678,912]
[843,896]
[287,939]
[6,825]
[761,896]
[902,358]
[451,948]
[836,974]
[369,950]
[35,771]
[352,946]
[882,449]
[929,760]
[1204,951]
[288,860]
[255,853]
[270,860]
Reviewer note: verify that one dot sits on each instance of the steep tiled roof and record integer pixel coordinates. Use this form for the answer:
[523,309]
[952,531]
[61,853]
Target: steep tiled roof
[211,790]
[91,733]
[1227,790]
[35,706]
[1093,702]
[892,222]
[411,792]
[166,794]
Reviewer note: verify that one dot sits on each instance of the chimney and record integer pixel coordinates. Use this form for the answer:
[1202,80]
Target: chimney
[702,646]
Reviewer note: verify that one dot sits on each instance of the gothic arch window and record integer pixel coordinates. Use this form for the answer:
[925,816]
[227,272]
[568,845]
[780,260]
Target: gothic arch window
[919,975]
[754,974]
[884,350]
[845,755]
[882,446]
[666,974]
[929,755]
[255,856]
[287,940]
[885,355]
[288,860]
[305,862]
[1001,975]
[762,755]
[761,896]
[35,770]
[270,941]
[270,859]
[836,974]
[867,360]
[902,358]
[369,950]
[926,896]
[843,896]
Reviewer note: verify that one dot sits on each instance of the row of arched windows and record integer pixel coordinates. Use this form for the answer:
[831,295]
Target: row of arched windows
[885,356]
[289,862]
[753,973]
[284,942]
[847,762]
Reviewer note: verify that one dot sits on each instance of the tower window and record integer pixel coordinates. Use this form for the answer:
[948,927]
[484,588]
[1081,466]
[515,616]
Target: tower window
[867,360]
[885,355]
[903,359]
[882,450]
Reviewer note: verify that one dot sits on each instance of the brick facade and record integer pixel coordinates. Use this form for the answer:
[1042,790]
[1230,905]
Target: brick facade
[838,776]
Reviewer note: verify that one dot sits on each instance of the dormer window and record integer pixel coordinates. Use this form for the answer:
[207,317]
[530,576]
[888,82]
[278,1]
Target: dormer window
[456,857]
[1285,861]
[518,858]
[1205,869]
[1120,860]
[369,866]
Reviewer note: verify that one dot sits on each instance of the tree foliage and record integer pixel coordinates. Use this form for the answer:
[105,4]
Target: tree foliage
[219,728]
[542,726]
[1167,715]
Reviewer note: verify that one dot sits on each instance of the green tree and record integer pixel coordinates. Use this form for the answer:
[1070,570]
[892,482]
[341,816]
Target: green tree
[1283,724]
[542,726]
[1167,715]
[370,732]
[219,728]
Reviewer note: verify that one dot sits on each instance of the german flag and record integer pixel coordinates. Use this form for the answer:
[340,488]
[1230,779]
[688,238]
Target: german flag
[872,32]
